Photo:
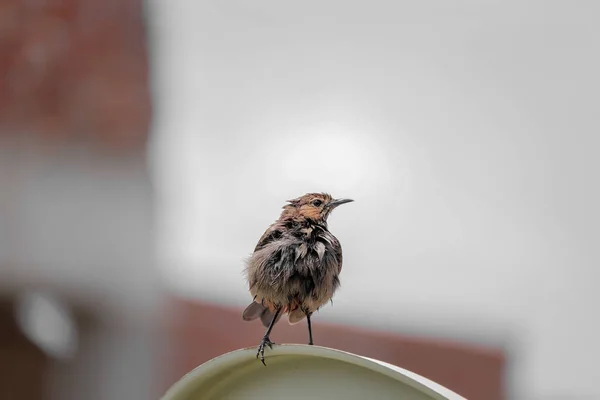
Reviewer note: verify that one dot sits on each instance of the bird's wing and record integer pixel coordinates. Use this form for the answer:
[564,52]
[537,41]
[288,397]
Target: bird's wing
[272,233]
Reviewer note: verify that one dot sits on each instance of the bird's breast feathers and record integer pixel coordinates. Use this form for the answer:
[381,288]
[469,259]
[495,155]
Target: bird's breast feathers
[289,251]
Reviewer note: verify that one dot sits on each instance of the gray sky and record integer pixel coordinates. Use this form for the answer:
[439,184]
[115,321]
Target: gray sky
[466,133]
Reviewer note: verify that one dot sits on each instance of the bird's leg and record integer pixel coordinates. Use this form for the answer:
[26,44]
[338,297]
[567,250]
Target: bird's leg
[310,338]
[265,340]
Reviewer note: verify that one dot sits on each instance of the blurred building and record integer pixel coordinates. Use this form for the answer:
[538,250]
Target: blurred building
[79,303]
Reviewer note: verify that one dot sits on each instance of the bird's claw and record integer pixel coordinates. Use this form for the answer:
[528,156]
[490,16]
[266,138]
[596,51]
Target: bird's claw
[261,348]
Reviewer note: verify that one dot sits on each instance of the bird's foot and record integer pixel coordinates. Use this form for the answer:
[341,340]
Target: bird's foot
[261,348]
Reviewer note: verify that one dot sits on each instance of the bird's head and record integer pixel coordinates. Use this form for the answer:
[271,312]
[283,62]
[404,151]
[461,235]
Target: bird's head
[313,206]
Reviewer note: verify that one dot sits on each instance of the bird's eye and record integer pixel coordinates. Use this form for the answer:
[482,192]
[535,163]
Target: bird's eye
[317,203]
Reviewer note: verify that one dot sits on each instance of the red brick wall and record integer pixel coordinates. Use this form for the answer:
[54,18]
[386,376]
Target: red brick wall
[74,71]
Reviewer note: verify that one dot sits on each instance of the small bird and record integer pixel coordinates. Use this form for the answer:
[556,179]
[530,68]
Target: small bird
[295,266]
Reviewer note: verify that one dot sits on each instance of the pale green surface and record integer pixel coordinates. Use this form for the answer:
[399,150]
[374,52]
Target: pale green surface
[303,372]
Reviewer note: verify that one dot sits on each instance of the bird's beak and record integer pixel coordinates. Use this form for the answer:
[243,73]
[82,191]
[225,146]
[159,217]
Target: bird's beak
[338,202]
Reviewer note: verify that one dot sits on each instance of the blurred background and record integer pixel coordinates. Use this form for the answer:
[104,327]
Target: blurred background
[146,146]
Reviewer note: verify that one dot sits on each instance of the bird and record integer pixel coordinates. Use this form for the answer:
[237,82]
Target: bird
[295,266]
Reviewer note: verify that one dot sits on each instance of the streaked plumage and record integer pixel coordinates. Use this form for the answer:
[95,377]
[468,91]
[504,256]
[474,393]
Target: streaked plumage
[296,264]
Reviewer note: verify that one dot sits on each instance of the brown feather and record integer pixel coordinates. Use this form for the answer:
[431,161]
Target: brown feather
[296,263]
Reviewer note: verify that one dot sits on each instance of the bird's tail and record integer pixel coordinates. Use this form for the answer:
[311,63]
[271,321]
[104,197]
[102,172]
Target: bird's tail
[257,310]
[296,316]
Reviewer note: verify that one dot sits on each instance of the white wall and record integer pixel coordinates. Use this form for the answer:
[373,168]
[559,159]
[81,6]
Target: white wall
[81,227]
[465,131]
[80,223]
